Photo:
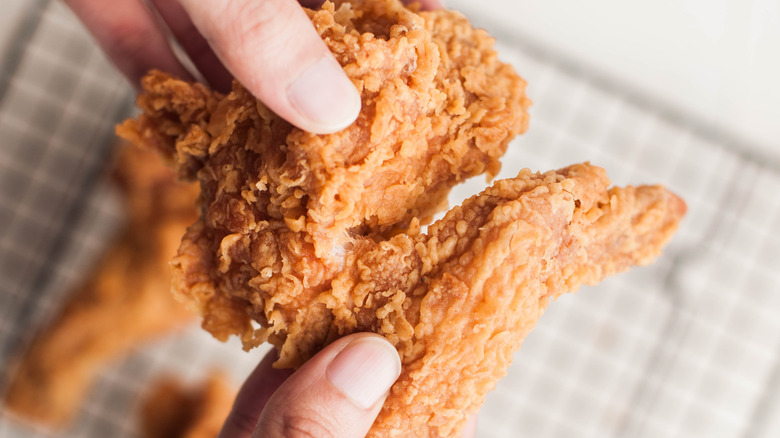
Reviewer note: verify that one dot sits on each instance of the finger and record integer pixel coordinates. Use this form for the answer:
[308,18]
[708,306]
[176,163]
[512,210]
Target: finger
[272,48]
[127,33]
[197,48]
[252,398]
[470,431]
[338,392]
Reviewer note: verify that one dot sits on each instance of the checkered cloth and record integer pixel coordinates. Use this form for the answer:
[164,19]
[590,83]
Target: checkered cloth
[689,346]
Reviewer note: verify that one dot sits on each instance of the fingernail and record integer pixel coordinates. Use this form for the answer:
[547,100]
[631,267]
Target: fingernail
[365,370]
[324,96]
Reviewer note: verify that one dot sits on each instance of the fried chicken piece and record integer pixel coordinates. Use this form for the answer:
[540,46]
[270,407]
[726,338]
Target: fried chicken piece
[172,410]
[312,237]
[124,302]
[456,301]
[438,108]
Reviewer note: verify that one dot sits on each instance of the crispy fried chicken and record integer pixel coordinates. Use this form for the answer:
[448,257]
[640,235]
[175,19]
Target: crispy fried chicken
[305,238]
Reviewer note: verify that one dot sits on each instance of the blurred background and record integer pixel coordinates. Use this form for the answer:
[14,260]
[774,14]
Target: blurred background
[683,93]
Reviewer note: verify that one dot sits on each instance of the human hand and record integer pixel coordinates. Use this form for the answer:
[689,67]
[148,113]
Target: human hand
[338,392]
[269,46]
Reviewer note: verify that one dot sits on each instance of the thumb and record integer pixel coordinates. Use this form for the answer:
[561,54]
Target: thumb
[338,392]
[272,48]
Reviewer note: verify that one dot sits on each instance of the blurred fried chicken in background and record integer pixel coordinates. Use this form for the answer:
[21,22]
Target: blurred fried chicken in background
[124,302]
[173,410]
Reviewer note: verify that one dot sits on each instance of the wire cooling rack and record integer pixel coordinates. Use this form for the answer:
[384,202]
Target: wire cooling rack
[688,347]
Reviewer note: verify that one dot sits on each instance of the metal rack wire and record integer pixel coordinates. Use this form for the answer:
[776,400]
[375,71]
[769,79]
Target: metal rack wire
[687,347]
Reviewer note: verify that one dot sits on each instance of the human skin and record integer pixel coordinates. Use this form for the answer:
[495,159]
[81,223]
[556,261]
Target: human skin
[269,46]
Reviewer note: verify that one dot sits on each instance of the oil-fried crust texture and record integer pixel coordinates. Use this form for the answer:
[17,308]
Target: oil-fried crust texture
[437,108]
[458,301]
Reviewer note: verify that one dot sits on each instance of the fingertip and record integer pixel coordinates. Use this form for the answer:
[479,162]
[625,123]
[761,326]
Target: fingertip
[347,381]
[365,370]
[323,98]
[272,49]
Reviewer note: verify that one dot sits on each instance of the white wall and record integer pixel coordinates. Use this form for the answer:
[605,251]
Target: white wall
[718,59]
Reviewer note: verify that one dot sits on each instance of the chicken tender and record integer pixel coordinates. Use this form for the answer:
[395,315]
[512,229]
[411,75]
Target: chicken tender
[458,300]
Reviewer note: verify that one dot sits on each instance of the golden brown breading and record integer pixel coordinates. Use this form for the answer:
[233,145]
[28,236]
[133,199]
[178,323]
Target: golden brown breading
[458,300]
[125,301]
[172,410]
[438,107]
[317,236]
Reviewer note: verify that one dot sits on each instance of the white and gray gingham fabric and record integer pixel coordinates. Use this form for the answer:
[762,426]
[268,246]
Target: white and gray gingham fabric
[688,347]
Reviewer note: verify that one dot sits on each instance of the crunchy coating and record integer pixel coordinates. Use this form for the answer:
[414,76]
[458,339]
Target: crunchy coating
[172,410]
[124,302]
[438,107]
[305,238]
[458,301]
